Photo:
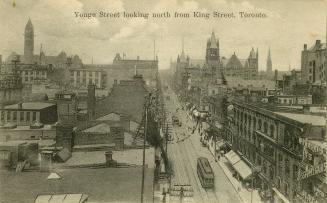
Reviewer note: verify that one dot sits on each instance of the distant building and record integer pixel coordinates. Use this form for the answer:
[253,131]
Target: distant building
[212,55]
[29,113]
[313,62]
[84,76]
[59,61]
[243,68]
[11,88]
[33,74]
[130,67]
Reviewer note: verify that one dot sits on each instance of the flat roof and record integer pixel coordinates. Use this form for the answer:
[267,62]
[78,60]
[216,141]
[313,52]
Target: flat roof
[12,143]
[101,184]
[303,118]
[30,106]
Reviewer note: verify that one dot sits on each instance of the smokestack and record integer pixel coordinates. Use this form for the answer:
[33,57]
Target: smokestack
[305,47]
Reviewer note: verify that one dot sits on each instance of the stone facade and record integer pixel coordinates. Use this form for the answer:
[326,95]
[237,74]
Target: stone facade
[270,140]
[313,63]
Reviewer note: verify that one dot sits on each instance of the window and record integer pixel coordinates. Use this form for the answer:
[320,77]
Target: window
[286,189]
[254,123]
[260,124]
[8,116]
[34,116]
[14,115]
[265,128]
[28,116]
[2,116]
[21,116]
[287,167]
[272,130]
[90,74]
[295,171]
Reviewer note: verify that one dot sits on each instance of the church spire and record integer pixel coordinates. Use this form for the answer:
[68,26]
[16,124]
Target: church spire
[269,62]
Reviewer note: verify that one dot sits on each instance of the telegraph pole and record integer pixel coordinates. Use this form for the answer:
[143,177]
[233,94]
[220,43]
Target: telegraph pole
[144,137]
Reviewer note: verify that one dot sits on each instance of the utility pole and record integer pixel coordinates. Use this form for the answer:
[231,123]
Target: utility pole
[144,137]
[167,139]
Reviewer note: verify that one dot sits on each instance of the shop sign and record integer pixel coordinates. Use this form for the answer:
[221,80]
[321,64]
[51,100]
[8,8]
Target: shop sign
[312,170]
[315,148]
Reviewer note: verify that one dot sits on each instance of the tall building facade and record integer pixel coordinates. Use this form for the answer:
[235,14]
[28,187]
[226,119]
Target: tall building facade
[29,43]
[313,63]
[269,62]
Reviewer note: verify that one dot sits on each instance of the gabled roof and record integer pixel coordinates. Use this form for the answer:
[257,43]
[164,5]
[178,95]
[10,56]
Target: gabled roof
[234,61]
[126,98]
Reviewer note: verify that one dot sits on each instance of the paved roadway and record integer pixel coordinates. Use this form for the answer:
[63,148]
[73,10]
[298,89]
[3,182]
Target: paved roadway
[183,152]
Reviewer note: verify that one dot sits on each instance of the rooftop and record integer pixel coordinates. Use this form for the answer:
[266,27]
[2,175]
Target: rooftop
[30,106]
[132,157]
[100,128]
[303,118]
[101,185]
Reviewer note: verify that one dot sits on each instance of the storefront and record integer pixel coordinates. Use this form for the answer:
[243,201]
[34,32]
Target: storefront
[242,170]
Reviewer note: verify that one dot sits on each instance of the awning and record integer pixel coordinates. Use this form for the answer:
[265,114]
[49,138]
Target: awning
[232,157]
[242,169]
[280,195]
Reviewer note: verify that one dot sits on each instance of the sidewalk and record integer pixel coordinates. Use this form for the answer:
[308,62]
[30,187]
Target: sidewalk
[244,194]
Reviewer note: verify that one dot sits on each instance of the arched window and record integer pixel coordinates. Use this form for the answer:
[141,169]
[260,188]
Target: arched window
[272,130]
[265,127]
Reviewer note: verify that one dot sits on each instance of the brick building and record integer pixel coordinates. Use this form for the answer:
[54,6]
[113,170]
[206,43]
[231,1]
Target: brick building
[271,140]
[29,113]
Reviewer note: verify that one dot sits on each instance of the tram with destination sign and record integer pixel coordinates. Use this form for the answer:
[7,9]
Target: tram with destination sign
[205,173]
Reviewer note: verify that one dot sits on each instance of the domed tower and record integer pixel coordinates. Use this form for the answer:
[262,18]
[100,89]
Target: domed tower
[29,43]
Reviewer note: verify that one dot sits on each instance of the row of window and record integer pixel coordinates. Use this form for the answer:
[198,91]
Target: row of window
[250,121]
[83,73]
[13,116]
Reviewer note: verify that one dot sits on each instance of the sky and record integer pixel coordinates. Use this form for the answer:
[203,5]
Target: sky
[289,24]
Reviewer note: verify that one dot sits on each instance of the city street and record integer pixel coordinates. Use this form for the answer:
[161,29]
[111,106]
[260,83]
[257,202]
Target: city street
[183,152]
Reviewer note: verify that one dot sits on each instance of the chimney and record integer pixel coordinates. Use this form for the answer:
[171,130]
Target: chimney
[45,161]
[91,101]
[115,81]
[138,57]
[20,105]
[318,42]
[305,47]
[64,136]
[0,60]
[109,160]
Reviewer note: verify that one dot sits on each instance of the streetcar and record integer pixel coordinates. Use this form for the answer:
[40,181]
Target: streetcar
[205,173]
